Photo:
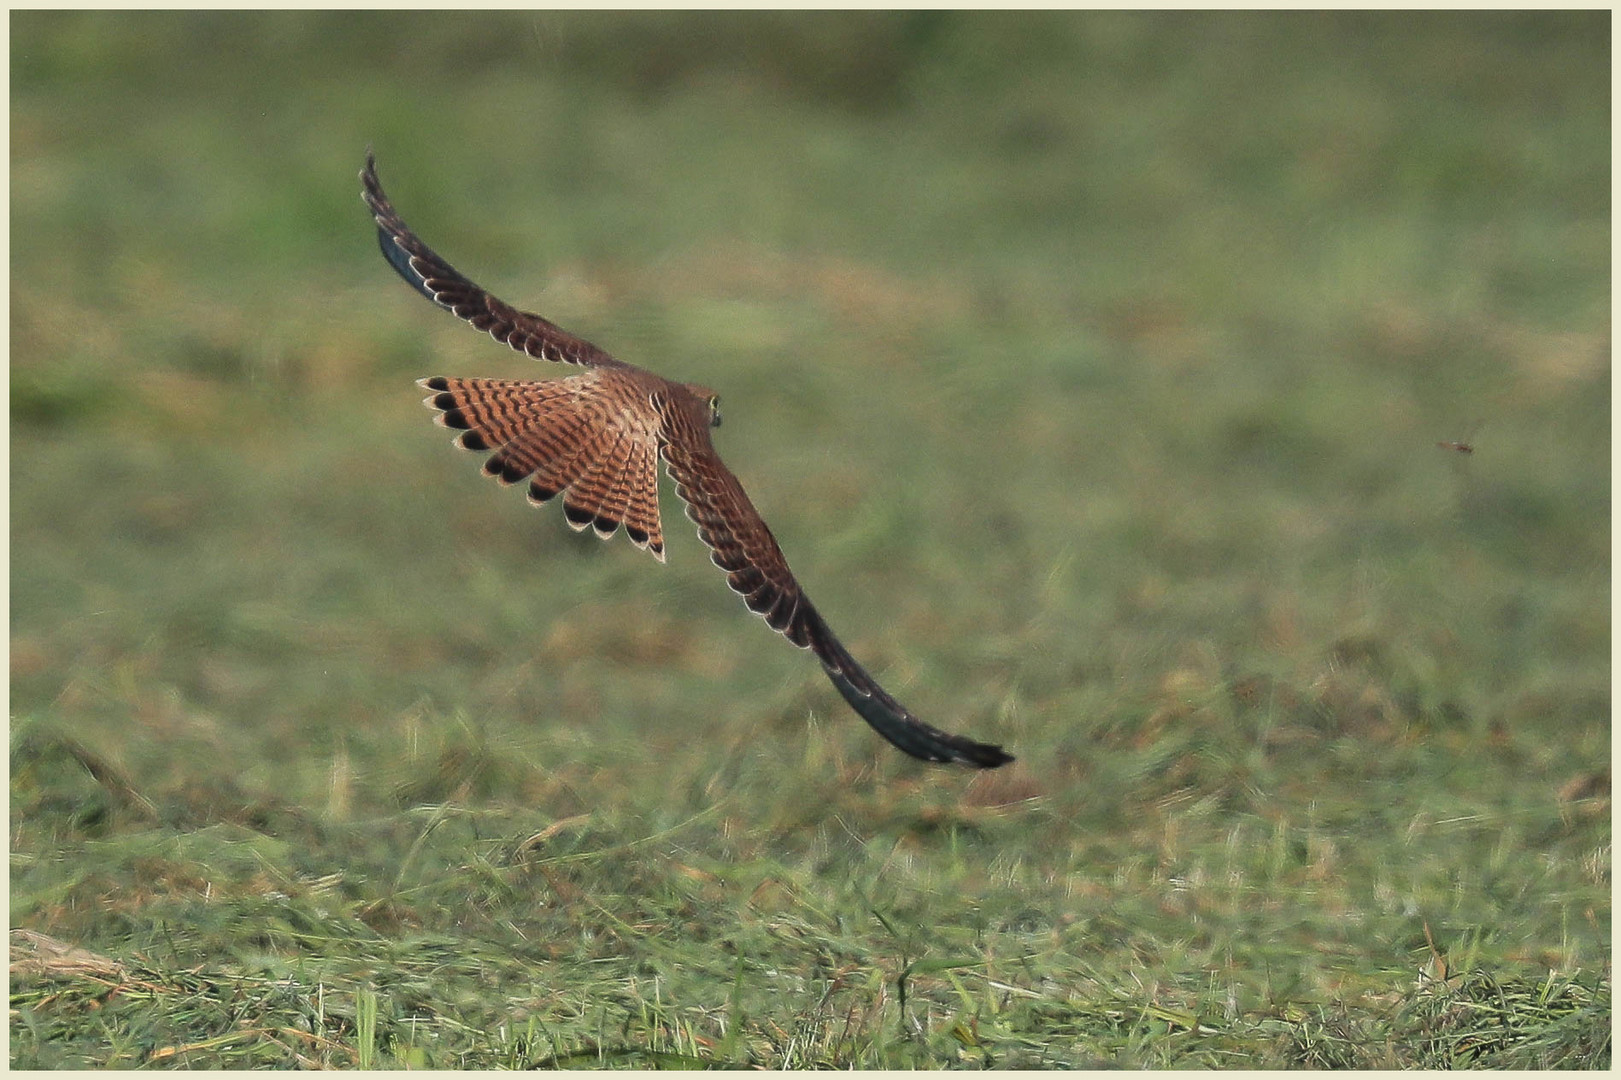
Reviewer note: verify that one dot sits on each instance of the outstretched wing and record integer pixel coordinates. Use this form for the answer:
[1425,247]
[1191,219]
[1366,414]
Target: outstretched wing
[440,282]
[582,437]
[742,545]
[593,438]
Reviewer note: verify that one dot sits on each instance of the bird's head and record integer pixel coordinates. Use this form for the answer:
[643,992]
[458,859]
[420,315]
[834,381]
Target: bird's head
[710,399]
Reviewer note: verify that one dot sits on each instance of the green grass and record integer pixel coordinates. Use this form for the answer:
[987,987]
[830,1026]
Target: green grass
[1089,369]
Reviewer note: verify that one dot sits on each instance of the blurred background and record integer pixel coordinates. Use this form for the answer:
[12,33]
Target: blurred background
[1092,370]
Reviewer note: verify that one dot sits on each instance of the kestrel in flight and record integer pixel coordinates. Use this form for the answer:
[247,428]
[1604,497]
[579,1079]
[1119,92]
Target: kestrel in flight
[596,439]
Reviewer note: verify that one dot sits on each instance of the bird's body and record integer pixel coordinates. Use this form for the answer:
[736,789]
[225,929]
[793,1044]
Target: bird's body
[595,438]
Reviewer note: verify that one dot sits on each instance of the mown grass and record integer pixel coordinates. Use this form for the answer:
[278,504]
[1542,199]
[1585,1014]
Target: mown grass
[1090,370]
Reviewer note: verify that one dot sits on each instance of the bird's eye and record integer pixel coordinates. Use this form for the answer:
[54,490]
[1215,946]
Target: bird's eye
[714,411]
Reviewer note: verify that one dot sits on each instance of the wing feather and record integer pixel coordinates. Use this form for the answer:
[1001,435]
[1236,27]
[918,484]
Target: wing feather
[427,272]
[741,544]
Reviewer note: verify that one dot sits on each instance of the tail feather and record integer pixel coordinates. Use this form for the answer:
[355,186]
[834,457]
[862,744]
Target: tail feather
[642,508]
[539,431]
[590,498]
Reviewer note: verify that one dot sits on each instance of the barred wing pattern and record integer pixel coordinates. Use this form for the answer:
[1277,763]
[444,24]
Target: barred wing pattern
[564,435]
[596,437]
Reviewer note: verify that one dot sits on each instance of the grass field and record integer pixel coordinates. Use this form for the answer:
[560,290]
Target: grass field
[1090,370]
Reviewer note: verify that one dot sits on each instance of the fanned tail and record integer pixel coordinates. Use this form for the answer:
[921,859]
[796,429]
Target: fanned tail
[538,431]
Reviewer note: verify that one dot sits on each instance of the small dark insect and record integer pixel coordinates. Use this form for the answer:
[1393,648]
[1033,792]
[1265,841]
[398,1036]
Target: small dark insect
[1465,444]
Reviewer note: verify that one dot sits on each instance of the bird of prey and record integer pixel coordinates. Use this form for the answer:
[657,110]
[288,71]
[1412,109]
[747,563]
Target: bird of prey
[596,439]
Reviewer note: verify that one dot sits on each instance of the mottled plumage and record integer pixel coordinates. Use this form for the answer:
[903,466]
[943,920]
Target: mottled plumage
[596,438]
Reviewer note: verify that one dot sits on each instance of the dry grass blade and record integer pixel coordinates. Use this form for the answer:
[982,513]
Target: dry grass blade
[34,953]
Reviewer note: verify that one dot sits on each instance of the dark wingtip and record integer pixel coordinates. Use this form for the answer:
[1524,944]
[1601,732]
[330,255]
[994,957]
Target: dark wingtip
[987,756]
[390,228]
[914,736]
[400,260]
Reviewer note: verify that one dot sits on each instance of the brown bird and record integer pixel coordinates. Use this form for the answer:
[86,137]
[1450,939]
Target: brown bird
[596,439]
